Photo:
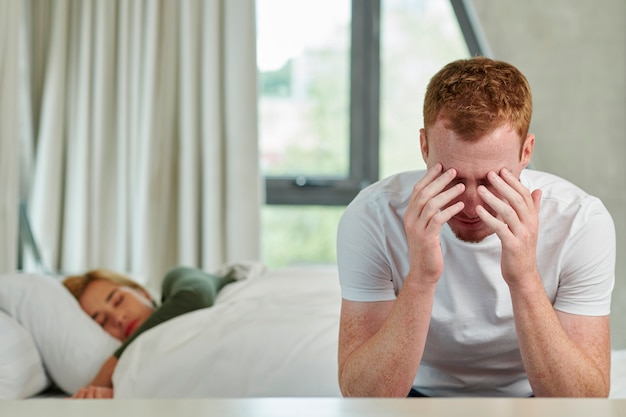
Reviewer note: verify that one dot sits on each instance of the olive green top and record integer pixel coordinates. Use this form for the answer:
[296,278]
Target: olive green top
[183,290]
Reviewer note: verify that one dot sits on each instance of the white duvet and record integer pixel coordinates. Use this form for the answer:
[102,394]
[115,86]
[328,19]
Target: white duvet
[274,335]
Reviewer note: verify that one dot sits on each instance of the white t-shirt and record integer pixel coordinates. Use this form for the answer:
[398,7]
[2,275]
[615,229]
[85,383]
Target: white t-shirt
[472,347]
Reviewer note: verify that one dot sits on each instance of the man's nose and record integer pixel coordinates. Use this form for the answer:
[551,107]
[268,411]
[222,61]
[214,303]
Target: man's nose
[471,199]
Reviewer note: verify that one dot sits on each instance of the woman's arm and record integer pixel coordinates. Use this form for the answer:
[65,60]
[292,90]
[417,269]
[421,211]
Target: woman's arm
[105,375]
[92,391]
[102,385]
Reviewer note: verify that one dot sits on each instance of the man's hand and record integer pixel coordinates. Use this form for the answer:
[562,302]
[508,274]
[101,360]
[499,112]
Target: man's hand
[93,391]
[425,214]
[516,224]
[564,355]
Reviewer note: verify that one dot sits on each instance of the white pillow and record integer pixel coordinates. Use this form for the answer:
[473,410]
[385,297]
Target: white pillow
[21,370]
[271,336]
[73,347]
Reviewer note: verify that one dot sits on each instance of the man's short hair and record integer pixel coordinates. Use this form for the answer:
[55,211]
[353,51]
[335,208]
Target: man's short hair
[478,95]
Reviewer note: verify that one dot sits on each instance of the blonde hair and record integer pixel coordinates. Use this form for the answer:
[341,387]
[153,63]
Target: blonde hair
[76,284]
[477,95]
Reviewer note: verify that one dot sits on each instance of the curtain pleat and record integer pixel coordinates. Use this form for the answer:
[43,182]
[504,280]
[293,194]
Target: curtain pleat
[10,16]
[212,125]
[241,153]
[145,143]
[189,214]
[47,188]
[75,231]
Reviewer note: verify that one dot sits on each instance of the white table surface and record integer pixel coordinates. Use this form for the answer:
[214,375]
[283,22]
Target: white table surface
[318,407]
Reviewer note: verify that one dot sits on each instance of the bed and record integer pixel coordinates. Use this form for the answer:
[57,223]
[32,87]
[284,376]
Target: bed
[273,334]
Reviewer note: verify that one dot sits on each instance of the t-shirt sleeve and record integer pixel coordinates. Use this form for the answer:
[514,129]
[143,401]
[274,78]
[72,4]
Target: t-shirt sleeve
[587,280]
[364,269]
[183,290]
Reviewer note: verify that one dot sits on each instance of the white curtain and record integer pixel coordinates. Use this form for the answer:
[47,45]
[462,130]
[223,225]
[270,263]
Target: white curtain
[144,129]
[10,12]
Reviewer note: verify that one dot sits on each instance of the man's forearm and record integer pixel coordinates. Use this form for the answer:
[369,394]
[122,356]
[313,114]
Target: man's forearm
[386,364]
[556,366]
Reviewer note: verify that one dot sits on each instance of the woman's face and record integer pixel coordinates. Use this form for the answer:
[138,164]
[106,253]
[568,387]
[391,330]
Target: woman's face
[119,309]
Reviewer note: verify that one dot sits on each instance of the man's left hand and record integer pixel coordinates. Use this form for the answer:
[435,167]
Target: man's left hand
[516,223]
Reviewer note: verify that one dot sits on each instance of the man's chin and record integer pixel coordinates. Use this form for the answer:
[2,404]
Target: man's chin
[470,236]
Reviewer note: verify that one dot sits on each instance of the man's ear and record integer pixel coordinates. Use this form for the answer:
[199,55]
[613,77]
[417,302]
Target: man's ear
[424,145]
[527,150]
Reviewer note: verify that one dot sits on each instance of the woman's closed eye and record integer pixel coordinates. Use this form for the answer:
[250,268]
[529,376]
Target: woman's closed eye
[101,319]
[117,299]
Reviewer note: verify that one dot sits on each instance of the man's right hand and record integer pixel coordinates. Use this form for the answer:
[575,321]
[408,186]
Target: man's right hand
[428,210]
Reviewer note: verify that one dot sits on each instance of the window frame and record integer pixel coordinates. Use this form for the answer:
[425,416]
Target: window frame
[364,113]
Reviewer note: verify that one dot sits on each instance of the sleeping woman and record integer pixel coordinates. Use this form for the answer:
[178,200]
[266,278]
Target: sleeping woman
[125,309]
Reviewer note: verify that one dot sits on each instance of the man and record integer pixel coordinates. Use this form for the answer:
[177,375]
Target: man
[475,277]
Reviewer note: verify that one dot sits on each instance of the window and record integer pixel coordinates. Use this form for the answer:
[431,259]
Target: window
[341,89]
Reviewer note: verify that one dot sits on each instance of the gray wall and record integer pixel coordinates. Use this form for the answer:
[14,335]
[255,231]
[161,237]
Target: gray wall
[574,55]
